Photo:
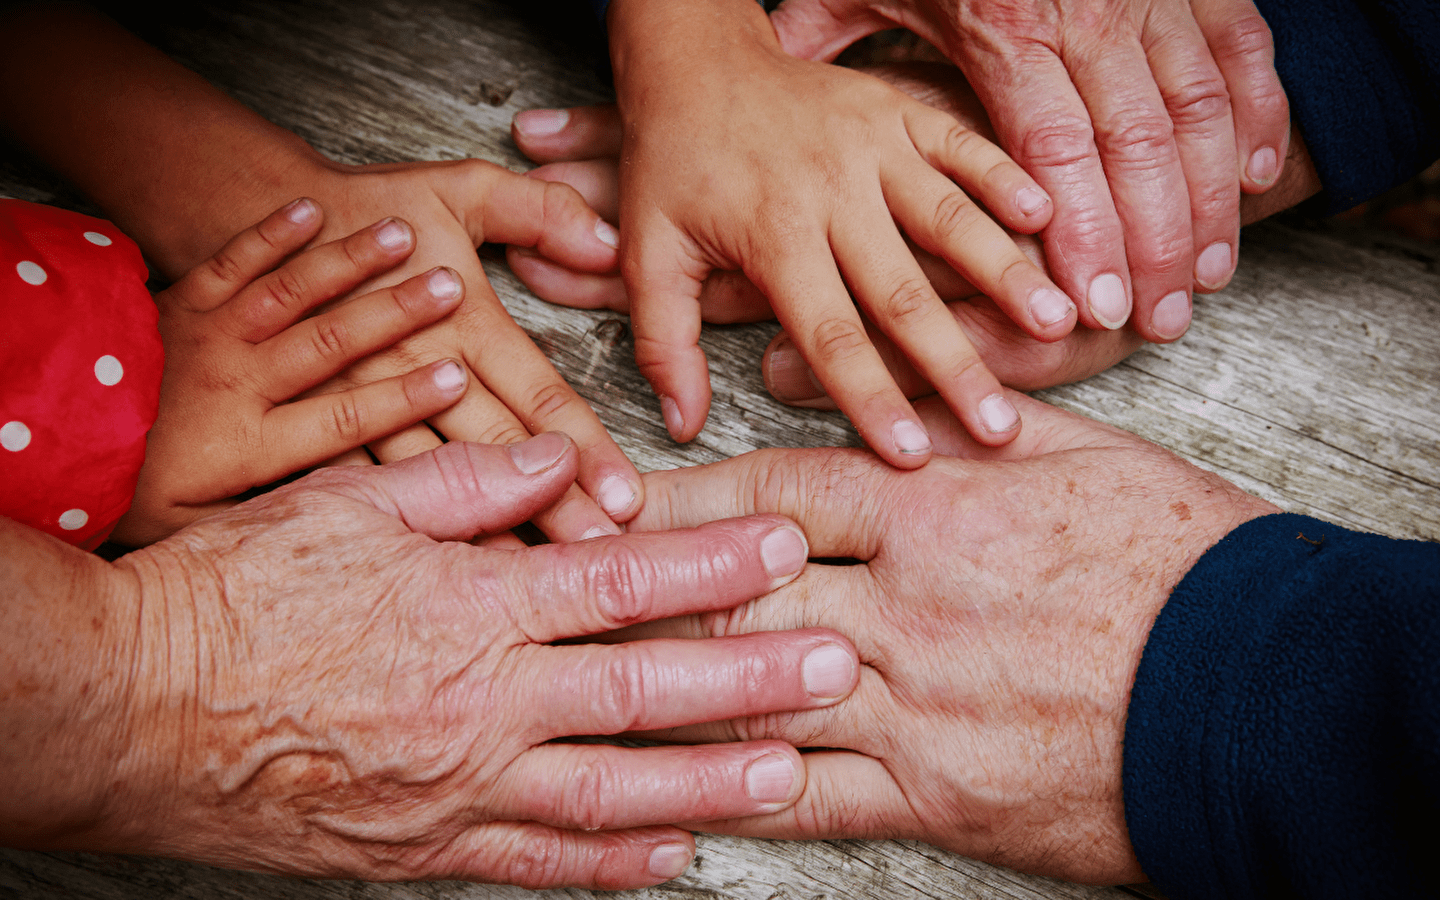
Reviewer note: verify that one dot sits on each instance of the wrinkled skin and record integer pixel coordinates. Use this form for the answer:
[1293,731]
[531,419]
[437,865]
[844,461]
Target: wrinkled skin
[999,606]
[329,681]
[1143,119]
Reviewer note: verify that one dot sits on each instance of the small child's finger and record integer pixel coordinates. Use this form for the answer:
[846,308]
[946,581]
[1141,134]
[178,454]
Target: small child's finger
[597,180]
[318,348]
[276,301]
[249,255]
[812,303]
[981,168]
[665,315]
[550,216]
[308,432]
[559,135]
[942,220]
[898,298]
[557,284]
[527,389]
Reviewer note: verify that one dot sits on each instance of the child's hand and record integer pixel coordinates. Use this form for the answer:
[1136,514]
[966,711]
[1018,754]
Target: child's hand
[740,157]
[238,350]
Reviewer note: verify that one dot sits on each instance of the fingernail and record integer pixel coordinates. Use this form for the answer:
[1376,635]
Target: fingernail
[607,234]
[443,284]
[1048,306]
[541,122]
[789,378]
[1108,302]
[997,415]
[301,211]
[449,377]
[910,438]
[669,860]
[770,779]
[616,495]
[784,552]
[599,531]
[392,234]
[828,671]
[539,453]
[1031,200]
[674,422]
[1171,316]
[1213,267]
[1263,165]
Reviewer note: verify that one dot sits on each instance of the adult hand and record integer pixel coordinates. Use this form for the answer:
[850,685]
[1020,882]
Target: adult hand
[328,681]
[999,606]
[1176,104]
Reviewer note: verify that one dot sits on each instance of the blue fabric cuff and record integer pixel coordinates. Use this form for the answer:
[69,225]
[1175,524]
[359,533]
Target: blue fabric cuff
[1363,78]
[1284,718]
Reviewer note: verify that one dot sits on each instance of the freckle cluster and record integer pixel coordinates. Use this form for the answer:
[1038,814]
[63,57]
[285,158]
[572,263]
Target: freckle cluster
[80,367]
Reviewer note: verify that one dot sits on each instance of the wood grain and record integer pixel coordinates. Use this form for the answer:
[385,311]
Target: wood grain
[1311,381]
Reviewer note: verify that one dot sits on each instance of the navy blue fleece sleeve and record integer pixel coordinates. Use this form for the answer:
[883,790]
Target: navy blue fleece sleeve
[1284,729]
[1363,78]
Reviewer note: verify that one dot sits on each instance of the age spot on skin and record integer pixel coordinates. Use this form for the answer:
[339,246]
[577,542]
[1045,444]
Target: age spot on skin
[1181,510]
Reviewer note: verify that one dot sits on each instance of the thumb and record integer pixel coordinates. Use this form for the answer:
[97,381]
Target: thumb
[461,490]
[818,30]
[1047,430]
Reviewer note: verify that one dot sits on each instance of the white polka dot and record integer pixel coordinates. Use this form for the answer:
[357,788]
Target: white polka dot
[74,519]
[14,436]
[97,239]
[30,273]
[109,371]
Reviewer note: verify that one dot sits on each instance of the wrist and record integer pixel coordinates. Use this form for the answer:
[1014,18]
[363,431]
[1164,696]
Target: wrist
[651,39]
[68,633]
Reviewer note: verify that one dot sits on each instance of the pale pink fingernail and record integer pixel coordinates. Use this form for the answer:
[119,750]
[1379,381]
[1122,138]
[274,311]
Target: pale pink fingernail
[392,234]
[674,422]
[1263,166]
[1213,267]
[783,551]
[910,437]
[301,211]
[598,531]
[997,415]
[828,671]
[607,234]
[449,377]
[789,378]
[1048,306]
[443,284]
[616,495]
[1031,200]
[539,453]
[669,860]
[1108,302]
[770,779]
[541,122]
[1171,316]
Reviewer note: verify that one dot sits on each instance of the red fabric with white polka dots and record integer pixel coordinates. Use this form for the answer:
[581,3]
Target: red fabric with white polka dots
[81,361]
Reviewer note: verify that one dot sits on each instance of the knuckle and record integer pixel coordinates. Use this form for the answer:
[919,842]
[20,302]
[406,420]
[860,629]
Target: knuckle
[588,795]
[287,290]
[546,401]
[838,339]
[1198,100]
[1139,140]
[910,302]
[224,267]
[1212,202]
[538,862]
[1064,141]
[330,337]
[1244,39]
[954,217]
[346,419]
[621,691]
[622,584]
[1165,254]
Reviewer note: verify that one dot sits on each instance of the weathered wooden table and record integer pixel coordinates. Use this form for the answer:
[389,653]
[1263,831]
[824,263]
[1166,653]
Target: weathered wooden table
[1313,381]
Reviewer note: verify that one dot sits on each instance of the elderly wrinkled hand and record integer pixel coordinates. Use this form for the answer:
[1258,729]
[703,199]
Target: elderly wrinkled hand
[1143,119]
[999,606]
[330,681]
